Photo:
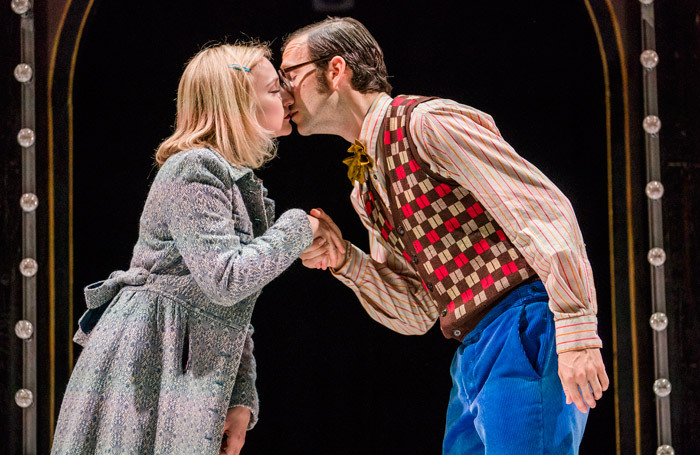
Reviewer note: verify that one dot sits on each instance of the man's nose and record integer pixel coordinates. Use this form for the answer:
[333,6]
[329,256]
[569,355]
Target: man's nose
[287,98]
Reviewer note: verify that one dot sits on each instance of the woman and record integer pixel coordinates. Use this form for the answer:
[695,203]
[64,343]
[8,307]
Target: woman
[167,365]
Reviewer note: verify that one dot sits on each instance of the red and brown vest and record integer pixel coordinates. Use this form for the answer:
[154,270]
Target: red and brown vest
[460,252]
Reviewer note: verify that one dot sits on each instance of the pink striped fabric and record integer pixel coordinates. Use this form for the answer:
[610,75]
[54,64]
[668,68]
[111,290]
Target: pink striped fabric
[463,144]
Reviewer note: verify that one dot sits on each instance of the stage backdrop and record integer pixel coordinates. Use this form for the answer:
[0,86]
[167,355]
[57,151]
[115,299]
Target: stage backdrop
[331,380]
[562,82]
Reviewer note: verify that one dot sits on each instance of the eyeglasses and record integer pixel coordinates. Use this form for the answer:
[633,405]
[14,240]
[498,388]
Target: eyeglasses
[284,79]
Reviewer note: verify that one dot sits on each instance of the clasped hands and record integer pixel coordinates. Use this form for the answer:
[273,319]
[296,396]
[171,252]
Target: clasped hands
[328,247]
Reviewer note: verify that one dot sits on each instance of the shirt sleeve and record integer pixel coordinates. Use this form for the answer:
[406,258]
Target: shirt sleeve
[388,288]
[464,144]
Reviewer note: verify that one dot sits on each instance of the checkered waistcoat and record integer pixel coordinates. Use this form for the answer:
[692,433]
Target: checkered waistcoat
[462,255]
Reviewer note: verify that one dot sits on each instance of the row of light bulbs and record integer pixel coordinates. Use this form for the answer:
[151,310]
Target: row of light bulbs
[656,256]
[28,267]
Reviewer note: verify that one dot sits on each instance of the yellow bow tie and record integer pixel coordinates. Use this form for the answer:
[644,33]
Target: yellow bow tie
[358,162]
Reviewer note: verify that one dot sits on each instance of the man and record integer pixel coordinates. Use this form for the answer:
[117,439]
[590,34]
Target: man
[464,230]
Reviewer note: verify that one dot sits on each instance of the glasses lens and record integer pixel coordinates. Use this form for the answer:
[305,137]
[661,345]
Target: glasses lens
[284,82]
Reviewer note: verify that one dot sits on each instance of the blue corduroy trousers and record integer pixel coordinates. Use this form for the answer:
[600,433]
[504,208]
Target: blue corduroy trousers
[506,396]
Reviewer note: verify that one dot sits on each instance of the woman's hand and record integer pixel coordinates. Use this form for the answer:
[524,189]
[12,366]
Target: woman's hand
[315,225]
[237,419]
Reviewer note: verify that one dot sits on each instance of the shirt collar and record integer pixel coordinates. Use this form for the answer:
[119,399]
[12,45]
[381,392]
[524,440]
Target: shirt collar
[371,127]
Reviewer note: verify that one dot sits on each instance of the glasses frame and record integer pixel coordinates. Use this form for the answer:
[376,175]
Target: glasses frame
[282,72]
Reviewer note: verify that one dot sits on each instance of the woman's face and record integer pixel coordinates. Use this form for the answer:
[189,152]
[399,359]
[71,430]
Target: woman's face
[274,102]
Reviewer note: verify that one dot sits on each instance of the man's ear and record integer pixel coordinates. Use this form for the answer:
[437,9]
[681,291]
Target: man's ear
[336,73]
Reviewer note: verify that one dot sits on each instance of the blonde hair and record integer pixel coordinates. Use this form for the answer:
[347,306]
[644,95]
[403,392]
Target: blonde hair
[217,104]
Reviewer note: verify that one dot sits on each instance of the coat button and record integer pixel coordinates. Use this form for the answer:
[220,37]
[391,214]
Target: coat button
[443,313]
[457,333]
[414,258]
[400,230]
[430,286]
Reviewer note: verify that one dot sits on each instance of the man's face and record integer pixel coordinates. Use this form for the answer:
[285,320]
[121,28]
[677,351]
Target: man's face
[308,109]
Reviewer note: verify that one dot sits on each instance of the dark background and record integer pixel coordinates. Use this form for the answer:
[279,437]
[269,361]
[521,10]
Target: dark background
[331,380]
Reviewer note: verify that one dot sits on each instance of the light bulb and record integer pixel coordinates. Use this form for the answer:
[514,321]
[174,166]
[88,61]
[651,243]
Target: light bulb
[28,267]
[23,72]
[24,398]
[26,137]
[29,202]
[649,59]
[656,256]
[658,321]
[21,6]
[651,124]
[654,190]
[24,329]
[662,387]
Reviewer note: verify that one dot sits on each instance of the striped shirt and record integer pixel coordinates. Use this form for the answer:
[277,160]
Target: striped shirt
[463,144]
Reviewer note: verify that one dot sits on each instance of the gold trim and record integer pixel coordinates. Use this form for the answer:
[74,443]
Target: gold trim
[51,203]
[52,231]
[69,103]
[611,242]
[630,231]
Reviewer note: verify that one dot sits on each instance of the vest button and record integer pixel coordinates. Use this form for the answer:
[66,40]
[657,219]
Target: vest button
[443,313]
[400,230]
[430,286]
[414,258]
[457,333]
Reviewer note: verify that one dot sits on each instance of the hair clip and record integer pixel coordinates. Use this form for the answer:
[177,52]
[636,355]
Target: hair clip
[236,66]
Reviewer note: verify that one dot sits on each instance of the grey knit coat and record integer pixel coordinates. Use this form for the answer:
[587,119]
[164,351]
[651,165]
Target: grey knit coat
[167,343]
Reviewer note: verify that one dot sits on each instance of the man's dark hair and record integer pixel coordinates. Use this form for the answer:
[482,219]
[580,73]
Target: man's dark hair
[348,38]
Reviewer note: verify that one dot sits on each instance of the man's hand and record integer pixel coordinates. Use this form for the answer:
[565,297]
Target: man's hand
[328,248]
[583,377]
[237,419]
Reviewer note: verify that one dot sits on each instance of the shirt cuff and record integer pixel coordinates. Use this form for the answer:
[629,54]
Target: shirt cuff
[349,272]
[580,332]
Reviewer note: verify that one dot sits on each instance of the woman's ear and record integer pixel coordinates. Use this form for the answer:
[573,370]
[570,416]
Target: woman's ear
[337,72]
